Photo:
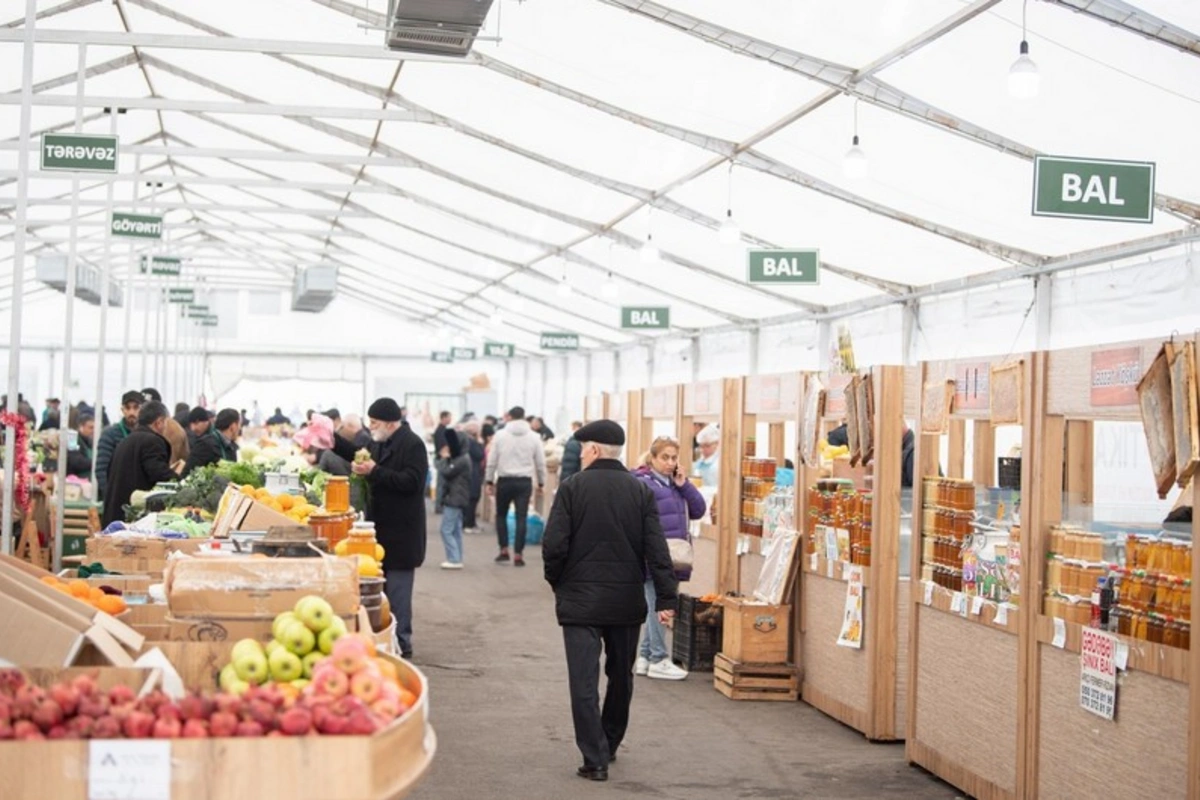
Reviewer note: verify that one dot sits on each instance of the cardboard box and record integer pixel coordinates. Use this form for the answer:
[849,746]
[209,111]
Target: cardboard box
[138,555]
[397,757]
[213,628]
[237,512]
[756,633]
[43,627]
[135,585]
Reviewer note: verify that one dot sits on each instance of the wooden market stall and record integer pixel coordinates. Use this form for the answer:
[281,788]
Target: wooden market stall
[658,410]
[965,619]
[855,673]
[701,404]
[1150,747]
[593,407]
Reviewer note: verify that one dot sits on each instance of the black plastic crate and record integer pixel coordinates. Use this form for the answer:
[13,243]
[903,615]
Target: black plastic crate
[1009,473]
[694,643]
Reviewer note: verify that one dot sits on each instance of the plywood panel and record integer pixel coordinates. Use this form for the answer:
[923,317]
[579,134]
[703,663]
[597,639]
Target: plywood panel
[903,598]
[703,400]
[1142,753]
[838,673]
[704,567]
[965,711]
[1069,390]
[750,565]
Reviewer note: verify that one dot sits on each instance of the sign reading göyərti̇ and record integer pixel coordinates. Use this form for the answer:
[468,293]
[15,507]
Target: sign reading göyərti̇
[1085,189]
[136,226]
[79,152]
[560,341]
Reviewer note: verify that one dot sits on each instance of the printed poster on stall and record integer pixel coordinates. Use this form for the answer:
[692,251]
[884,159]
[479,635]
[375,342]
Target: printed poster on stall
[852,620]
[1098,673]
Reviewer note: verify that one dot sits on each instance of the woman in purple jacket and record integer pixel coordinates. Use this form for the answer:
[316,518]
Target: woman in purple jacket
[678,503]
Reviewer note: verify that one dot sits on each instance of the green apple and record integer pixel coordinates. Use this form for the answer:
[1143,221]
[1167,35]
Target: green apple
[245,647]
[315,612]
[310,662]
[279,623]
[285,666]
[228,678]
[272,646]
[298,639]
[251,665]
[300,683]
[335,631]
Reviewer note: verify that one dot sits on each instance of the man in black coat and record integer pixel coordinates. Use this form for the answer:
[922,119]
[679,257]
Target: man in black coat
[141,460]
[396,474]
[219,444]
[602,535]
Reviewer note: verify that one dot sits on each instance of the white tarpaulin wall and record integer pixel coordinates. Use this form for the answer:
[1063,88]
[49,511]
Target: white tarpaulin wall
[457,198]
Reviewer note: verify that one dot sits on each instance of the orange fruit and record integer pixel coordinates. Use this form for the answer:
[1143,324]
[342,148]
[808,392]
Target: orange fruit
[111,604]
[62,587]
[50,580]
[408,698]
[80,589]
[96,595]
[388,669]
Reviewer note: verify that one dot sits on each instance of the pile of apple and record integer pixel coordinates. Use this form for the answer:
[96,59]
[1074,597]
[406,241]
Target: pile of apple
[302,637]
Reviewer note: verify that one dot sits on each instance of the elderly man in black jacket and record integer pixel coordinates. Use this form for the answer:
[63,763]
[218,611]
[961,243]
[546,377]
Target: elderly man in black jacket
[602,535]
[141,460]
[396,472]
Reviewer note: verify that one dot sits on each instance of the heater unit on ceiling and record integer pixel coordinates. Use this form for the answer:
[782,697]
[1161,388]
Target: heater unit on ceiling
[52,271]
[435,27]
[314,288]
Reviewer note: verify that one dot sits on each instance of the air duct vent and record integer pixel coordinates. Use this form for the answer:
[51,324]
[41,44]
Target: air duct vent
[435,27]
[315,288]
[52,271]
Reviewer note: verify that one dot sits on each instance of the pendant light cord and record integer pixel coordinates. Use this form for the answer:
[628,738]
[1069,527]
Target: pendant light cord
[729,202]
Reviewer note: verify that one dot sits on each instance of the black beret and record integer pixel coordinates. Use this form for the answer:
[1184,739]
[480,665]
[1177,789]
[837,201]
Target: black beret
[385,409]
[602,431]
[199,414]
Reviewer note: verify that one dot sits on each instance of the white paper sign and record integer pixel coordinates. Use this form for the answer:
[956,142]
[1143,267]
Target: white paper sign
[976,605]
[829,570]
[1122,657]
[1060,633]
[928,593]
[852,619]
[1098,673]
[814,561]
[958,602]
[1001,614]
[131,769]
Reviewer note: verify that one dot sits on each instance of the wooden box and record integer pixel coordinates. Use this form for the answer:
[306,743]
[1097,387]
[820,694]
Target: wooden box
[756,633]
[738,681]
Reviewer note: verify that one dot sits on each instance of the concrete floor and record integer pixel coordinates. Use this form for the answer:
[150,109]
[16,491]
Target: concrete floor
[487,639]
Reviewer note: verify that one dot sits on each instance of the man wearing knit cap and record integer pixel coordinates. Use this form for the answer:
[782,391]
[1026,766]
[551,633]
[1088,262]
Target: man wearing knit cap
[602,534]
[396,469]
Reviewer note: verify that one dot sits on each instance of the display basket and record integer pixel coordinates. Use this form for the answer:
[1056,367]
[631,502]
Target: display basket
[696,642]
[1009,473]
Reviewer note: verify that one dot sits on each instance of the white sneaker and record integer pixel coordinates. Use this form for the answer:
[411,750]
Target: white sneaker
[665,670]
[641,666]
[451,565]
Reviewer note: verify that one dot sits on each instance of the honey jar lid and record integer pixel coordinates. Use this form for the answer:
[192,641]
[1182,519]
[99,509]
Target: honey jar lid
[337,479]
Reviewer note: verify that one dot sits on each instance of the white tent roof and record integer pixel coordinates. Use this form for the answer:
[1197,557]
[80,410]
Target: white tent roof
[445,191]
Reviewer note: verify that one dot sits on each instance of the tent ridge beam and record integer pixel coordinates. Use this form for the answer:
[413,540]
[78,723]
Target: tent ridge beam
[1134,20]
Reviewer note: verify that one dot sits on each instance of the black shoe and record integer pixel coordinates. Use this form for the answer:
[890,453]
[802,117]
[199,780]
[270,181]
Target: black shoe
[593,773]
[407,656]
[518,561]
[500,559]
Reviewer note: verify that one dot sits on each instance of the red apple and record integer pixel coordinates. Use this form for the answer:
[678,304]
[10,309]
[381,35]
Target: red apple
[85,685]
[5,709]
[195,729]
[349,654]
[167,728]
[6,731]
[366,686]
[26,731]
[120,695]
[192,707]
[26,701]
[138,725]
[330,681]
[10,681]
[106,728]
[296,721]
[261,712]
[250,728]
[154,700]
[48,714]
[122,712]
[387,707]
[82,726]
[223,723]
[169,711]
[67,697]
[60,732]
[362,723]
[93,705]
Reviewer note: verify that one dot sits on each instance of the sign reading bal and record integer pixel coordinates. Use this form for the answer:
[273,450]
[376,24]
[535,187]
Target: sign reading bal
[1078,188]
[783,266]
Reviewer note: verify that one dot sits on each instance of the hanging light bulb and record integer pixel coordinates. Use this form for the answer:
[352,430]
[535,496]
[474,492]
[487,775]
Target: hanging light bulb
[729,232]
[649,254]
[563,289]
[854,163]
[609,289]
[1023,77]
[497,318]
[518,303]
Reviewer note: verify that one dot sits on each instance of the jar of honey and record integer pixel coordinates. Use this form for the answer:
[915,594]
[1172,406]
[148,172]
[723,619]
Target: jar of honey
[361,540]
[337,494]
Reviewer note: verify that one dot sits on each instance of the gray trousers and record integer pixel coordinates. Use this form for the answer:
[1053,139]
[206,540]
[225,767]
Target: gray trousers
[399,588]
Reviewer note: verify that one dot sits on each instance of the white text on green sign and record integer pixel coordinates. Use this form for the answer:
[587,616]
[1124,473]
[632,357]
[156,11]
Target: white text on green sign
[442,357]
[560,341]
[176,294]
[79,152]
[163,265]
[654,318]
[463,353]
[136,226]
[195,312]
[783,266]
[498,350]
[210,322]
[1083,189]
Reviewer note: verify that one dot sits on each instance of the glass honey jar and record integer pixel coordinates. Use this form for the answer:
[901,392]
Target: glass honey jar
[337,494]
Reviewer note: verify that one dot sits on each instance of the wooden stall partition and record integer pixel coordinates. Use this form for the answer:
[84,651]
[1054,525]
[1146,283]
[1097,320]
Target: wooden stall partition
[966,731]
[701,404]
[635,426]
[593,408]
[729,507]
[862,687]
[1071,752]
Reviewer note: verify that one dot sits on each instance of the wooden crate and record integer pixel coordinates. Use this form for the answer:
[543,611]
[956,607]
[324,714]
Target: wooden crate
[756,633]
[741,681]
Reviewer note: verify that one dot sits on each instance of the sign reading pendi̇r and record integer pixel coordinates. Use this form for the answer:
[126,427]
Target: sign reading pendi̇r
[1083,189]
[498,350]
[136,226]
[654,318]
[560,341]
[79,152]
[784,266]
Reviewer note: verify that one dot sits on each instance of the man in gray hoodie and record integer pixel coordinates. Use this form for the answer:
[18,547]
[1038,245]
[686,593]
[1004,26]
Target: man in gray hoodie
[516,459]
